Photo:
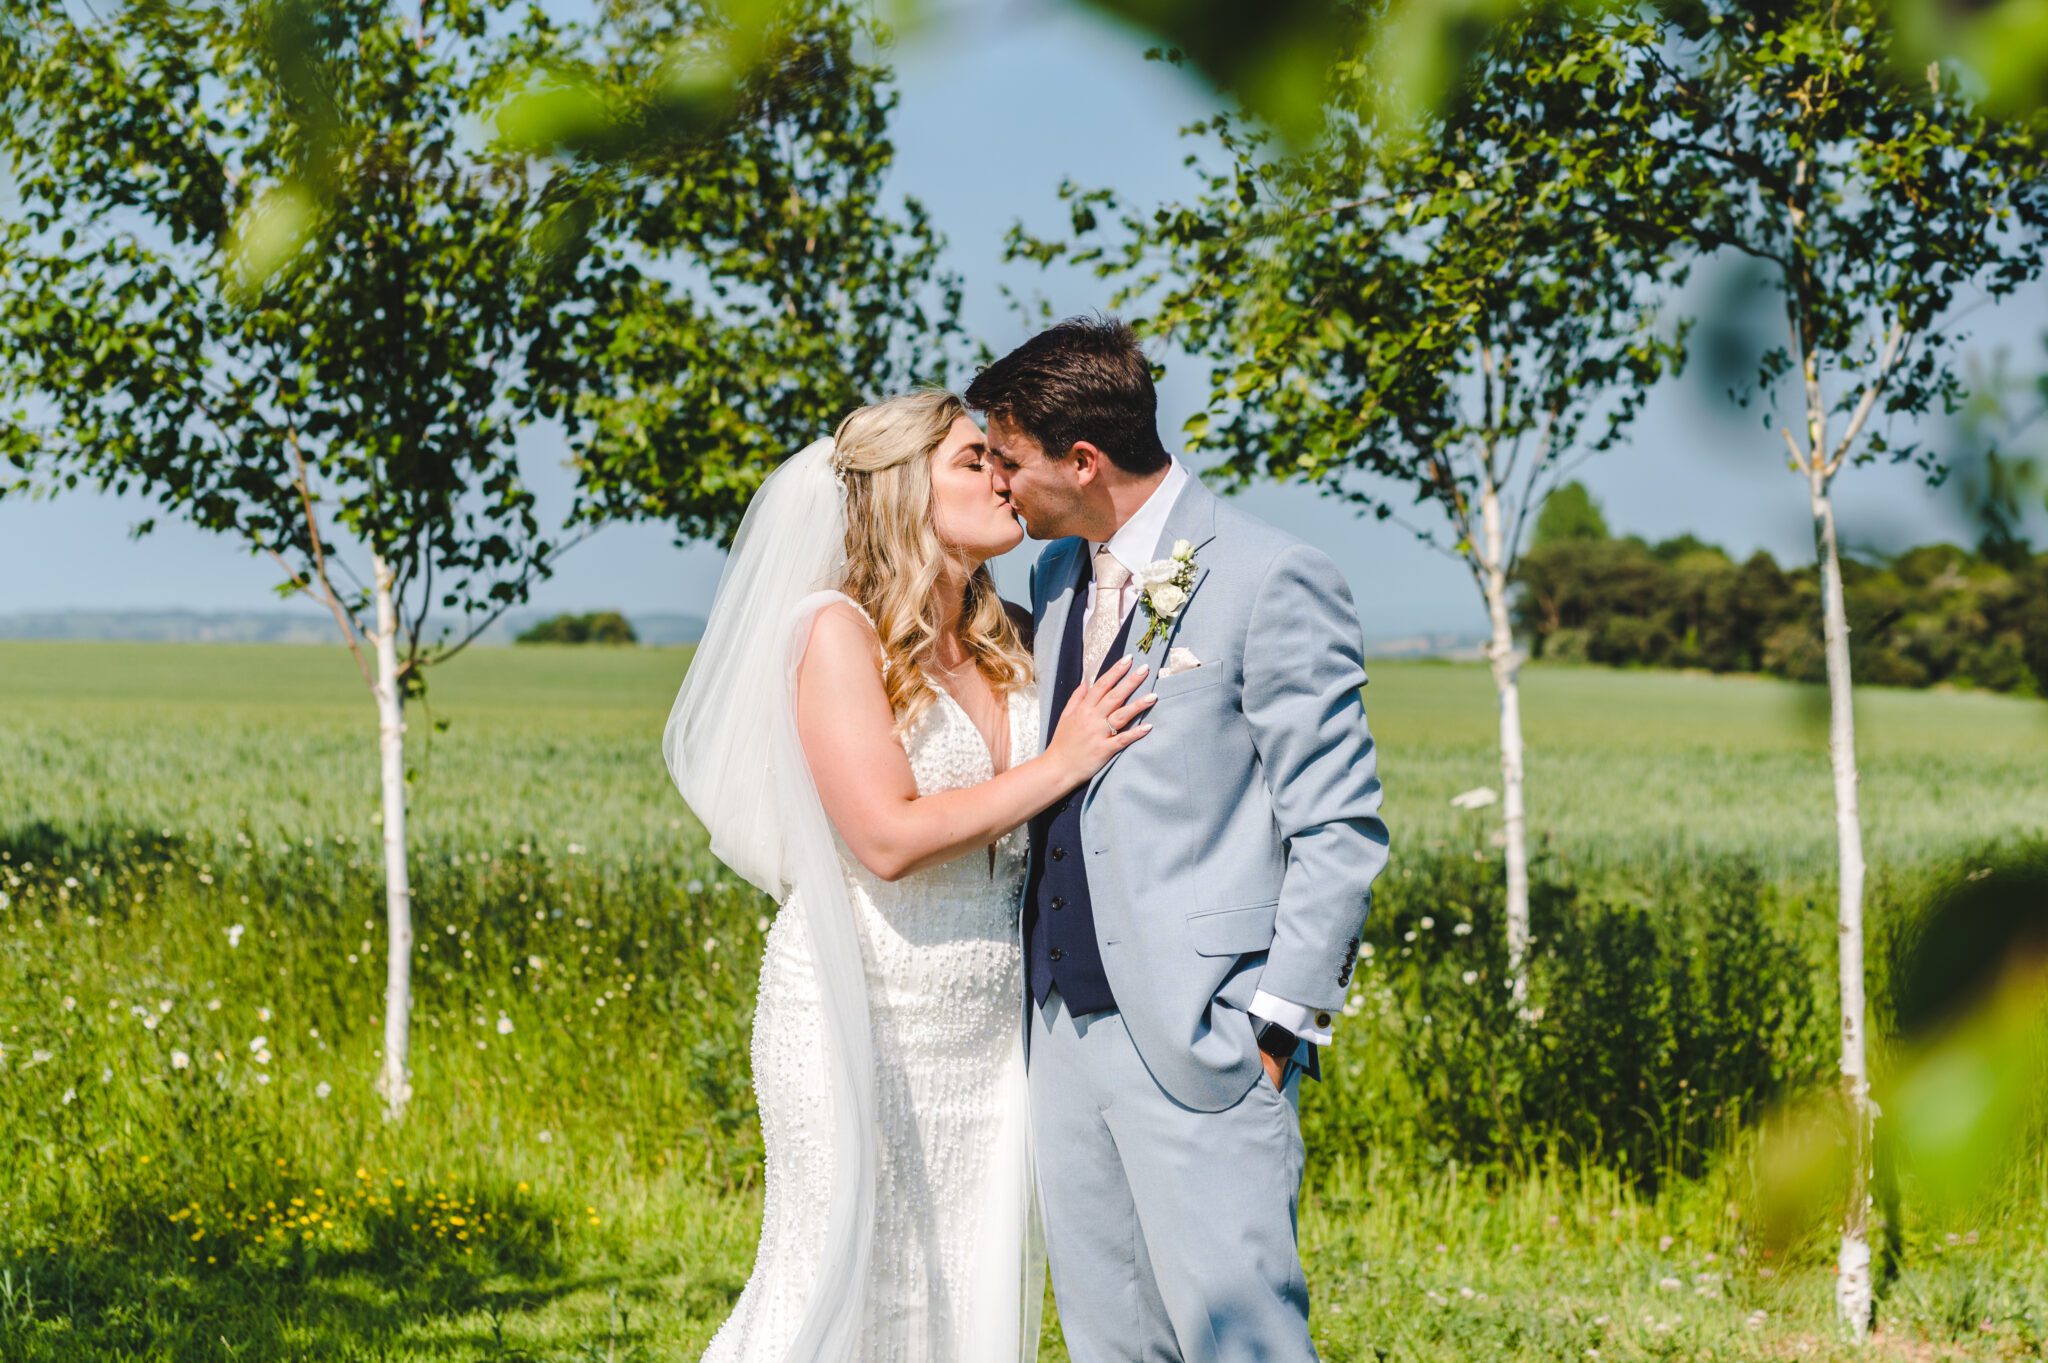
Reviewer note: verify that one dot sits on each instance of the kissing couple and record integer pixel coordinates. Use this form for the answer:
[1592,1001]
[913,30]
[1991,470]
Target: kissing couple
[1068,897]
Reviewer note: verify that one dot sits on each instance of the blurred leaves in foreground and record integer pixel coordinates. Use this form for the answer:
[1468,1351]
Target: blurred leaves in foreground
[2004,43]
[1971,1004]
[1964,1086]
[1268,56]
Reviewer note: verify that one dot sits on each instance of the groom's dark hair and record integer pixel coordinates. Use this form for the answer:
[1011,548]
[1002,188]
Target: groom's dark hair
[1085,379]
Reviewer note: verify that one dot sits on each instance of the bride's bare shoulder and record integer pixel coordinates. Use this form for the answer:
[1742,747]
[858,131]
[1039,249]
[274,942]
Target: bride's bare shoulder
[842,640]
[843,615]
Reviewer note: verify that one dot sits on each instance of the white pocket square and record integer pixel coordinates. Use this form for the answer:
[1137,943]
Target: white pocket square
[1179,660]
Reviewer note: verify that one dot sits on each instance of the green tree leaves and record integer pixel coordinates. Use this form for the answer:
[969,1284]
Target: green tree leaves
[1404,314]
[278,268]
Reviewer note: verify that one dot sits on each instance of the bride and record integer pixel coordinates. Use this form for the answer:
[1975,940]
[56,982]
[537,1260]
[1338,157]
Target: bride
[859,733]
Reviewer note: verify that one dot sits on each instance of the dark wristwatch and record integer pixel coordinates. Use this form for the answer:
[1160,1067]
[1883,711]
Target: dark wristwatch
[1277,1041]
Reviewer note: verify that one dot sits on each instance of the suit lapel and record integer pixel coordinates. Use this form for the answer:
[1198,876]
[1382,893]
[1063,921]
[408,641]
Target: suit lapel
[1193,518]
[1062,583]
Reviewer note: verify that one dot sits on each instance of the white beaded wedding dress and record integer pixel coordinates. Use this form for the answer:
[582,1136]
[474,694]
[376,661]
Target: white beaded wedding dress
[944,989]
[900,1221]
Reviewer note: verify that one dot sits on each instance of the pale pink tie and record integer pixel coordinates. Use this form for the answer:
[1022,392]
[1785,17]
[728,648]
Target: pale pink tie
[1108,616]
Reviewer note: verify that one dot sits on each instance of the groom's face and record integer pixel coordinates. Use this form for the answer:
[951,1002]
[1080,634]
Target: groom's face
[1046,492]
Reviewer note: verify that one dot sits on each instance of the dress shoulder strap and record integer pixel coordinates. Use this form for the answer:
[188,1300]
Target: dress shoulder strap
[862,609]
[865,616]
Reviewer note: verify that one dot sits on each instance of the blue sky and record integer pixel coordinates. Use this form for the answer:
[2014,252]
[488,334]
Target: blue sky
[1000,102]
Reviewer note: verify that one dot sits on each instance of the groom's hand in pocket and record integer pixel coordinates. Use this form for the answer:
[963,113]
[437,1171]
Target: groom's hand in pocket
[1277,1049]
[1276,1069]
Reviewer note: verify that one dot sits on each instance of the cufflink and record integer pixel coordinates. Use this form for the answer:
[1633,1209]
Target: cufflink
[1322,1021]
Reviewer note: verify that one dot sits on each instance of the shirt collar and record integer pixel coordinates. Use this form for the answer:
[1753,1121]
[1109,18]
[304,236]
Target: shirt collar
[1137,540]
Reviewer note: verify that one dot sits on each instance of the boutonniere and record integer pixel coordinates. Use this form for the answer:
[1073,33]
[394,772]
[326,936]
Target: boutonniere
[1163,586]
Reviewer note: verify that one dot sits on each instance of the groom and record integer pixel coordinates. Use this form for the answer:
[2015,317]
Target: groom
[1191,914]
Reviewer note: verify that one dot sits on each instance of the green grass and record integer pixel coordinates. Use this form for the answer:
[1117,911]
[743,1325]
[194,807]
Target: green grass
[585,978]
[1625,767]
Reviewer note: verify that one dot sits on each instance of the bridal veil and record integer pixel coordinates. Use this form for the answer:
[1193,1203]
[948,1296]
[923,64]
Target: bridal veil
[733,749]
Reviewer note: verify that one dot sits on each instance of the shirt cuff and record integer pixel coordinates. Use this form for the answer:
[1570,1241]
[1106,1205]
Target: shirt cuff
[1307,1023]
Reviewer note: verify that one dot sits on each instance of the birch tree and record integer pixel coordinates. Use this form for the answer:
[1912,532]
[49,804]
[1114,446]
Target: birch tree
[1438,323]
[274,271]
[1885,204]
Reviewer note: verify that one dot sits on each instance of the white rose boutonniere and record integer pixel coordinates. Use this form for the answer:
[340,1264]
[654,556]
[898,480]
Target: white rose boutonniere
[1165,584]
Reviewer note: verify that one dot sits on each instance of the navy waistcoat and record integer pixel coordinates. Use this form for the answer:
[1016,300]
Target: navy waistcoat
[1059,918]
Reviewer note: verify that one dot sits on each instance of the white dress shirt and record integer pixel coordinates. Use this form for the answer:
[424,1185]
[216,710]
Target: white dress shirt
[1135,544]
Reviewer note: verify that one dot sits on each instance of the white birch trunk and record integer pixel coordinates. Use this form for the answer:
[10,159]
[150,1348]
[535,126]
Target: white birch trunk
[394,1083]
[1507,668]
[1853,1287]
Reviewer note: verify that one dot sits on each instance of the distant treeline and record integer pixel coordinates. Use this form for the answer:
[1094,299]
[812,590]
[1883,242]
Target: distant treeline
[1935,614]
[594,627]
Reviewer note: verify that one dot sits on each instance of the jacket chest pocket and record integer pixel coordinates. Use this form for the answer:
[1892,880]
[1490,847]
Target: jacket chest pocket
[1194,679]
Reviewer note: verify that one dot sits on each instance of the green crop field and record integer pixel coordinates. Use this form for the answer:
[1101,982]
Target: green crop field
[191,968]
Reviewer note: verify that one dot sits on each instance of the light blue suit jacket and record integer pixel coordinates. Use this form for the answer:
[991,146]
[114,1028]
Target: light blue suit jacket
[1234,847]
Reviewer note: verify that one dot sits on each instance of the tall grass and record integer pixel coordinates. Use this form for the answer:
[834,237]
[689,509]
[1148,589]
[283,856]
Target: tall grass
[196,1167]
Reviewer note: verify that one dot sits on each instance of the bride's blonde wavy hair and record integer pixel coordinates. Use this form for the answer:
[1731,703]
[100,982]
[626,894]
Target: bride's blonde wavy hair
[894,555]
